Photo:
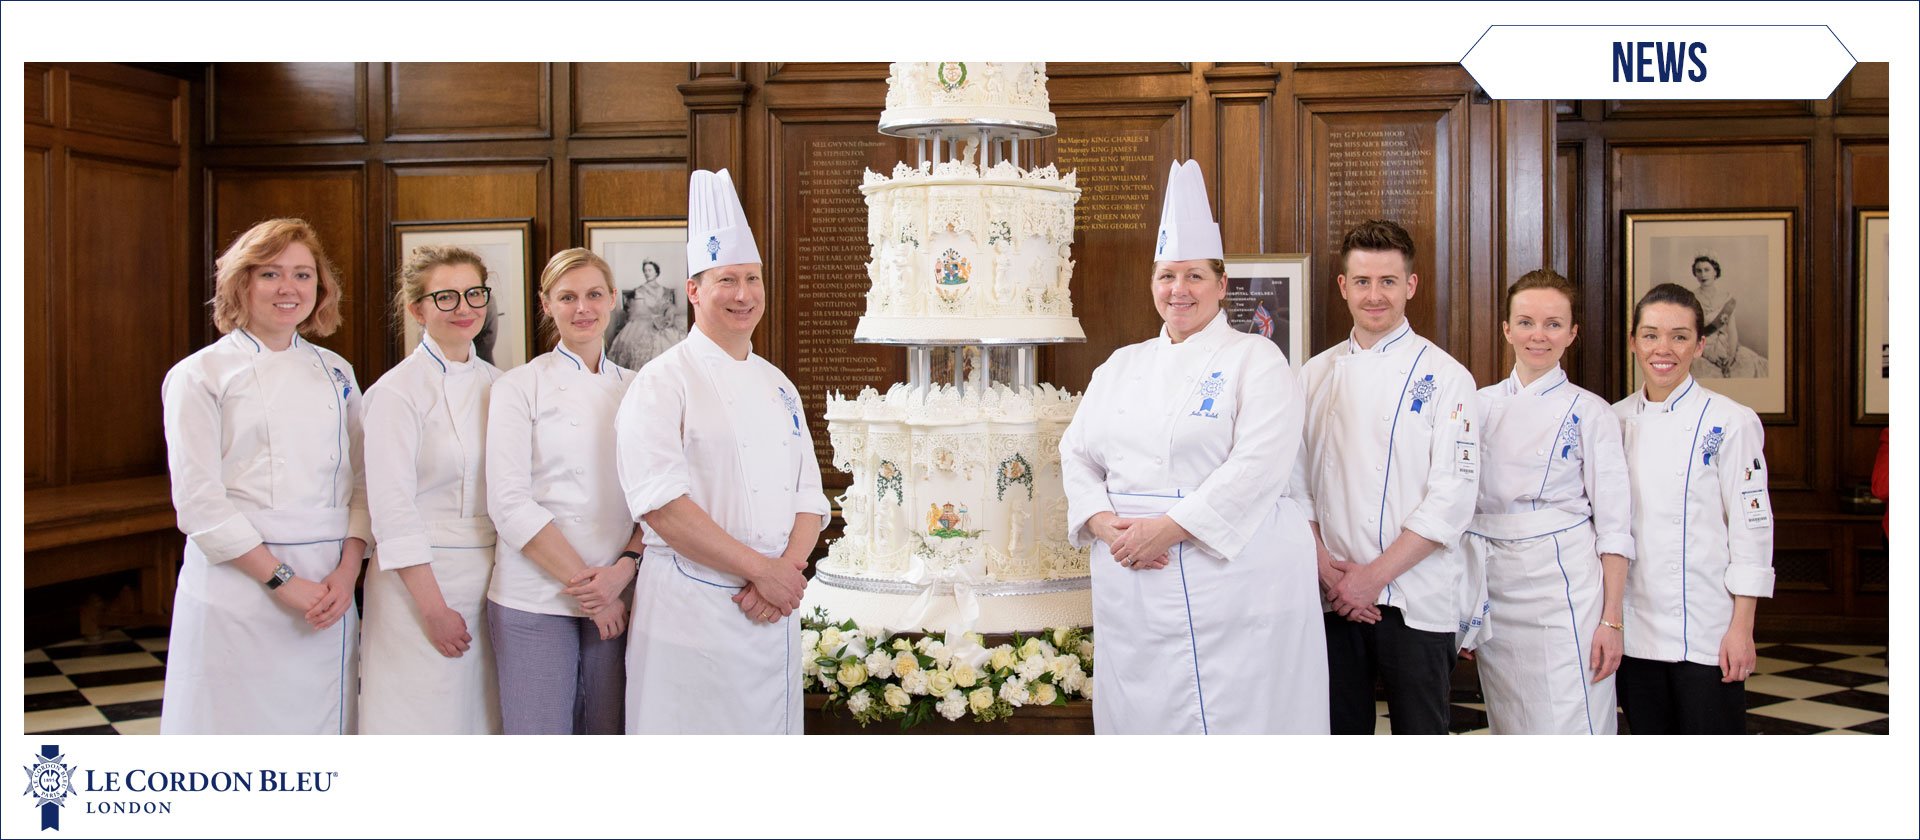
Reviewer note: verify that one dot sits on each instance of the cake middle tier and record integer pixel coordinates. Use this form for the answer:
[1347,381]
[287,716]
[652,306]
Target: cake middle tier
[958,255]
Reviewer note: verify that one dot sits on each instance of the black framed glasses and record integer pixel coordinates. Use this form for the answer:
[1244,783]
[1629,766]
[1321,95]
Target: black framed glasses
[448,300]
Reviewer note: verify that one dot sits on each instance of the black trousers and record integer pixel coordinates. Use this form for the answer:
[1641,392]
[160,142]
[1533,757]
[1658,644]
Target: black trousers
[1680,698]
[1415,665]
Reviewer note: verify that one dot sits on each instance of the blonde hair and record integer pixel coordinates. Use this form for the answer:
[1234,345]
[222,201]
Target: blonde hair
[410,285]
[562,263]
[233,275]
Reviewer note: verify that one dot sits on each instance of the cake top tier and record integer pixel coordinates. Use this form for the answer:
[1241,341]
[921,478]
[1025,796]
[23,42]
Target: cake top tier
[964,97]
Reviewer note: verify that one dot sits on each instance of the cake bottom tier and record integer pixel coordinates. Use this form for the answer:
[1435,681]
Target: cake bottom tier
[998,613]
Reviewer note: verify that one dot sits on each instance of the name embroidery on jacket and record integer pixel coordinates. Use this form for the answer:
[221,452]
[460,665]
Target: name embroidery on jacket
[1210,388]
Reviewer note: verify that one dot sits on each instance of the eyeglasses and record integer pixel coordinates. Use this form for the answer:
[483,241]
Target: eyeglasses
[448,300]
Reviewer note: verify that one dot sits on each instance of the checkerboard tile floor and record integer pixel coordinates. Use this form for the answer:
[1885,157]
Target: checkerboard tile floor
[111,686]
[1797,689]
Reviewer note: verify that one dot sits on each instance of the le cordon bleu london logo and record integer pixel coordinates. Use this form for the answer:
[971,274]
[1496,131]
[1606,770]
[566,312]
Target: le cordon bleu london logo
[53,784]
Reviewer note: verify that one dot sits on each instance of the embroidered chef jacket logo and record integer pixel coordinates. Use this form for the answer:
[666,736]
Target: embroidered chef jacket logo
[49,783]
[1209,389]
[346,385]
[713,248]
[1710,445]
[1421,391]
[1569,435]
[1162,248]
[793,410]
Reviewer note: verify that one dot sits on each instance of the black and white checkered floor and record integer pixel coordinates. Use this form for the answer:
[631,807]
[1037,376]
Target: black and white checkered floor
[111,686]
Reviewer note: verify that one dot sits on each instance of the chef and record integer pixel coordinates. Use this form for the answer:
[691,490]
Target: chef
[1553,530]
[1392,466]
[1702,530]
[426,664]
[263,443]
[556,609]
[1203,571]
[717,460]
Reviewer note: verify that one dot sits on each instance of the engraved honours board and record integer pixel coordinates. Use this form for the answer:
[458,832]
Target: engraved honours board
[1397,165]
[1121,155]
[823,253]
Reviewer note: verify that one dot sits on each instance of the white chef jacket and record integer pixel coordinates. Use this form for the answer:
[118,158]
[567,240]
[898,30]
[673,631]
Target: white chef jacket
[550,459]
[729,435]
[426,442]
[1551,502]
[1205,431]
[1554,444]
[1392,444]
[262,447]
[1702,520]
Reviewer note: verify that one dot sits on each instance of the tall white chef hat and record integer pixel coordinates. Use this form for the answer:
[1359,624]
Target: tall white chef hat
[1187,229]
[717,233]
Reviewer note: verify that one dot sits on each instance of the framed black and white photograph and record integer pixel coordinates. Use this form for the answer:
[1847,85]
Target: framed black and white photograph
[1872,399]
[506,338]
[1267,294]
[649,260]
[1738,264]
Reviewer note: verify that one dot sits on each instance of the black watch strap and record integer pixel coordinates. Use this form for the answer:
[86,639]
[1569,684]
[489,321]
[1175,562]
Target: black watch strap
[633,554]
[281,574]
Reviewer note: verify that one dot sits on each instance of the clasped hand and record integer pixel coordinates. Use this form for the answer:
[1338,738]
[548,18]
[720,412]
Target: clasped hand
[1138,544]
[776,593]
[597,589]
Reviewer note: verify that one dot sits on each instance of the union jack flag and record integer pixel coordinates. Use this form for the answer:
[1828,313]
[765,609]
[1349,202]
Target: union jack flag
[1262,319]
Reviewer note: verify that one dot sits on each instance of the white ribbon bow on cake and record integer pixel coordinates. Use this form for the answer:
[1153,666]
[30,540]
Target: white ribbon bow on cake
[960,578]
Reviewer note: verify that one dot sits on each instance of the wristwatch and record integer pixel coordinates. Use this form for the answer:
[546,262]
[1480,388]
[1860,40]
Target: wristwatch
[633,554]
[281,574]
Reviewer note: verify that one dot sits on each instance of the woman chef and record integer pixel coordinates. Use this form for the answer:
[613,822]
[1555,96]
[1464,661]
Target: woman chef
[1702,531]
[426,665]
[1204,590]
[263,439]
[1554,543]
[567,548]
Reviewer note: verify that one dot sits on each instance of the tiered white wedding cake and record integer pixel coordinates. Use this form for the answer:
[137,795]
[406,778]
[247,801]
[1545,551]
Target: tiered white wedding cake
[955,517]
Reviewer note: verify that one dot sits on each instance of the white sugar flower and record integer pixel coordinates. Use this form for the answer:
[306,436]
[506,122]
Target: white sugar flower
[879,665]
[1003,657]
[1030,648]
[896,697]
[905,663]
[859,702]
[980,698]
[952,705]
[1076,681]
[915,682]
[1031,667]
[1014,691]
[830,641]
[941,682]
[809,640]
[1061,666]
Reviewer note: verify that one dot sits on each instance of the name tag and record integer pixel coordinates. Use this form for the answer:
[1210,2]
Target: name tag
[1754,504]
[1466,459]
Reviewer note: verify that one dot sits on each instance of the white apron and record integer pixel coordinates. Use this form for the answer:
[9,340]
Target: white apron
[1545,595]
[409,688]
[673,666]
[1211,646]
[262,447]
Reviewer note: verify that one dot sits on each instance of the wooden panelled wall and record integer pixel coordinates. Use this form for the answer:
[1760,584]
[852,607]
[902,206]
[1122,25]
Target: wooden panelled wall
[1491,189]
[1822,160]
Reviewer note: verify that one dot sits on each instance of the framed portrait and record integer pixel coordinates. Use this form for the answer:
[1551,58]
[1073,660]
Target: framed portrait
[1872,398]
[649,261]
[1738,264]
[1267,294]
[506,339]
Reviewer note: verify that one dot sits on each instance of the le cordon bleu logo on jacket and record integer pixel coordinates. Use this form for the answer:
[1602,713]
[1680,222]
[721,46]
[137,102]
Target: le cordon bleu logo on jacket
[53,785]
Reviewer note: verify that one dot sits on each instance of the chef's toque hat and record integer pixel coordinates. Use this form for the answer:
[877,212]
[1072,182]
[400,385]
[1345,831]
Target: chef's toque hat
[1187,229]
[717,233]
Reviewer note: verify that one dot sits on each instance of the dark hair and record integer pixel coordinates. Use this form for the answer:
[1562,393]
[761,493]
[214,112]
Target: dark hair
[1677,295]
[1709,261]
[1544,278]
[1377,235]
